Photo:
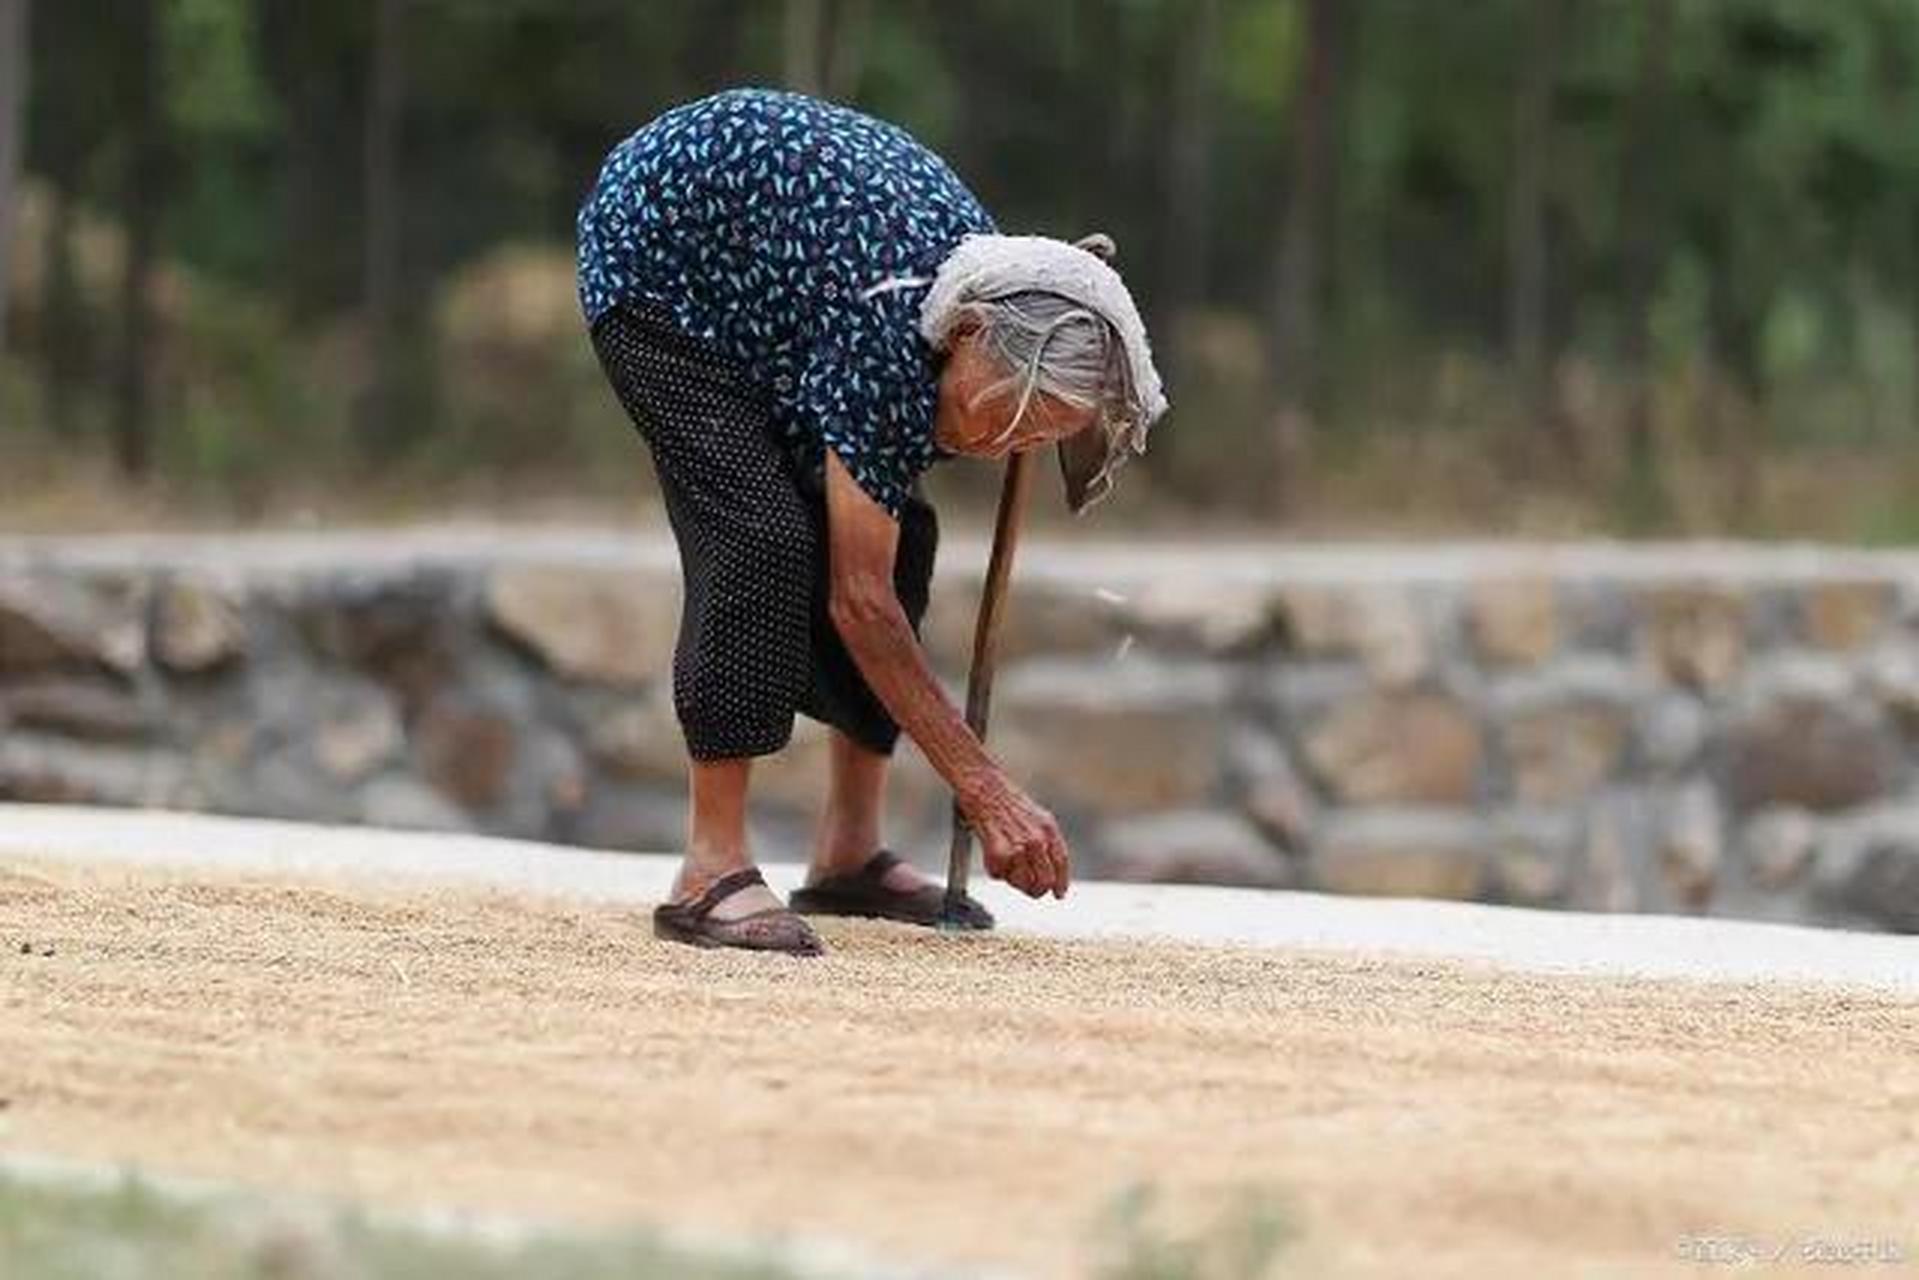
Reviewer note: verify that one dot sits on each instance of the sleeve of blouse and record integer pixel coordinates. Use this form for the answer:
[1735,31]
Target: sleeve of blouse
[865,392]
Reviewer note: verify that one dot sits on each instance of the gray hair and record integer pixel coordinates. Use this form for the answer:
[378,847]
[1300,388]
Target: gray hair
[1059,321]
[1049,345]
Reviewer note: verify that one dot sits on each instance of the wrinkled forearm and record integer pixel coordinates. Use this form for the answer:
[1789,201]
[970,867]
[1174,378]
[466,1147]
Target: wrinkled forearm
[881,640]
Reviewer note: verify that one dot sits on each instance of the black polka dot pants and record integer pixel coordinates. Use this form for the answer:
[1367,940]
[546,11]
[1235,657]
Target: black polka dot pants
[756,643]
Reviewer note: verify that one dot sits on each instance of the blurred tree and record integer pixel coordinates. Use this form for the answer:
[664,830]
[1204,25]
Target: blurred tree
[802,41]
[1186,234]
[1641,220]
[13,94]
[1587,210]
[847,38]
[1526,229]
[143,201]
[824,46]
[1299,298]
[379,429]
[67,134]
[313,59]
[711,49]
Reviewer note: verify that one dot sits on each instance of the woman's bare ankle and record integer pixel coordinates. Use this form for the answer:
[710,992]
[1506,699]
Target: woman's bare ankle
[701,867]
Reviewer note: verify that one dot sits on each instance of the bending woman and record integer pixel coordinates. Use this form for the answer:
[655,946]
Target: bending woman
[802,309]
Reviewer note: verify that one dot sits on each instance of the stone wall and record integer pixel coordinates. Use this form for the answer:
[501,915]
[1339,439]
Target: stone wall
[1720,729]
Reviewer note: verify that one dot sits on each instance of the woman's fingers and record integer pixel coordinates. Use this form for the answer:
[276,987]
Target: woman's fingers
[1020,876]
[1062,863]
[1007,860]
[1028,852]
[993,855]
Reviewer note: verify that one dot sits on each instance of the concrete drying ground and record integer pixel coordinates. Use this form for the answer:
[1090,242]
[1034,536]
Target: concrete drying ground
[416,1021]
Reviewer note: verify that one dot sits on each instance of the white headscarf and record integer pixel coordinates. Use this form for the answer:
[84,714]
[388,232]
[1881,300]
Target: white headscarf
[985,267]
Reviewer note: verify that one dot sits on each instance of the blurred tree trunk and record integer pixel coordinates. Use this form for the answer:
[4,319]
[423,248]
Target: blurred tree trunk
[845,50]
[1730,399]
[1526,227]
[824,43]
[380,260]
[1296,321]
[1189,144]
[13,97]
[710,49]
[1642,225]
[801,40]
[143,209]
[62,327]
[284,35]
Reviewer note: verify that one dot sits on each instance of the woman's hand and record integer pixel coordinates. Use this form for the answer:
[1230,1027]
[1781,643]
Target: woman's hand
[1020,842]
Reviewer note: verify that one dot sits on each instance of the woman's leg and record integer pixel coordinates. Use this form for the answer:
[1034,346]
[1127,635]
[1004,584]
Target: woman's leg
[852,820]
[716,837]
[852,824]
[746,551]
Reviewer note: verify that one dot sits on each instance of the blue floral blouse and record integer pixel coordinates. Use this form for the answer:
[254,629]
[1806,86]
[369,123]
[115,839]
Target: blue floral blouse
[760,222]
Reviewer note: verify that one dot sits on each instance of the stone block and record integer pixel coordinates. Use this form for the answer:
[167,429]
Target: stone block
[403,631]
[1397,749]
[1311,619]
[1045,618]
[1779,846]
[594,625]
[1868,867]
[356,733]
[95,711]
[1845,614]
[1559,754]
[638,739]
[1401,853]
[1691,845]
[196,627]
[55,622]
[797,777]
[1382,625]
[1672,730]
[1885,888]
[43,770]
[1890,673]
[1192,847]
[466,751]
[1133,738]
[1810,752]
[1696,632]
[1513,621]
[1390,636]
[631,819]
[1272,793]
[1611,874]
[407,804]
[1531,854]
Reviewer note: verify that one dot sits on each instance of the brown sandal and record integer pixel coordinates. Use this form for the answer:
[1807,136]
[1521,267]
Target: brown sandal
[774,929]
[864,893]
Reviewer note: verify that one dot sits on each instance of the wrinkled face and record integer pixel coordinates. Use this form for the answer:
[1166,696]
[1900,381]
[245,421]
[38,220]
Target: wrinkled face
[973,418]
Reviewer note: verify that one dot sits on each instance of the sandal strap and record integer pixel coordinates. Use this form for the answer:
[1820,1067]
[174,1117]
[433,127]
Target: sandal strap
[870,876]
[878,865]
[722,889]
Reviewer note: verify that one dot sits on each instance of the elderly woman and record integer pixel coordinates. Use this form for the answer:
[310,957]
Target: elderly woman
[802,309]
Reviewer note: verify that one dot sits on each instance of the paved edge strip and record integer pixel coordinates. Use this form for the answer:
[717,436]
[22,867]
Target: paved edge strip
[1513,938]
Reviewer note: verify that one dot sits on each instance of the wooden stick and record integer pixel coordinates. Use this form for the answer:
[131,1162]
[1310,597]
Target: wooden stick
[979,682]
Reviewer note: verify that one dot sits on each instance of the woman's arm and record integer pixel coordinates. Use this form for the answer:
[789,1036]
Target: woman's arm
[1021,842]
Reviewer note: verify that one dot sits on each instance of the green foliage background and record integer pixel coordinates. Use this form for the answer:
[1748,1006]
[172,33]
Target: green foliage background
[1775,223]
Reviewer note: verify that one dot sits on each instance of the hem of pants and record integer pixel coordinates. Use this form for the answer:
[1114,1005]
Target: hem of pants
[751,749]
